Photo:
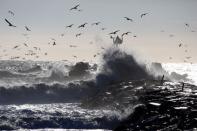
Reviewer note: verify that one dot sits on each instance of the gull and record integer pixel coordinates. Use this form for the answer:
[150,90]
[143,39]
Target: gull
[114,32]
[73,46]
[143,14]
[69,26]
[53,39]
[83,25]
[79,34]
[35,48]
[25,34]
[15,47]
[103,28]
[126,33]
[186,24]
[27,28]
[10,24]
[75,7]
[171,35]
[188,57]
[25,44]
[54,43]
[162,31]
[129,19]
[96,23]
[12,13]
[75,56]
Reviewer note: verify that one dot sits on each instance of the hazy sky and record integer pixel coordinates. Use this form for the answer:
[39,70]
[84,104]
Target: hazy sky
[48,18]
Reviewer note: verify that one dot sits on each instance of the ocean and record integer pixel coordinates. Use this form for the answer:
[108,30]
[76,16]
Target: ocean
[44,95]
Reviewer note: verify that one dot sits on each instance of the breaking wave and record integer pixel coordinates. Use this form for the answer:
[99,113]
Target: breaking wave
[47,82]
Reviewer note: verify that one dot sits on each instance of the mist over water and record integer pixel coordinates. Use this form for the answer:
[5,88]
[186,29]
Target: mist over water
[119,66]
[46,82]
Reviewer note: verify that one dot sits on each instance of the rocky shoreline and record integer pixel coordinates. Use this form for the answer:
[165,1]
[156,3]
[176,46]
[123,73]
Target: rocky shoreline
[169,106]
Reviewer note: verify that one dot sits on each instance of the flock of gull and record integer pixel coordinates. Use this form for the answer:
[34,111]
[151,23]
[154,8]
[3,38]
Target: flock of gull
[113,34]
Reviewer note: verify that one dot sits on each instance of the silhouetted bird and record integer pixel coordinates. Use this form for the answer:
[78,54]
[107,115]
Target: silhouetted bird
[75,7]
[12,13]
[102,48]
[188,57]
[69,26]
[186,24]
[96,23]
[162,31]
[74,46]
[54,43]
[25,34]
[15,47]
[75,56]
[36,48]
[27,29]
[103,28]
[78,34]
[143,14]
[25,44]
[129,19]
[126,33]
[83,25]
[10,24]
[113,33]
[180,44]
[53,39]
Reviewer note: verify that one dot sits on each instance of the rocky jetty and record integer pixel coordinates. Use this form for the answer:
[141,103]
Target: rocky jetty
[149,105]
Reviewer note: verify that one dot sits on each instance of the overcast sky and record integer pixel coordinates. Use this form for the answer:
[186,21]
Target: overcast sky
[48,18]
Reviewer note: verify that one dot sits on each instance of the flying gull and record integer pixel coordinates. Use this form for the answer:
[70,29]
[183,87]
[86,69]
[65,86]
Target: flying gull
[69,26]
[11,12]
[96,23]
[143,14]
[10,24]
[82,26]
[27,29]
[79,34]
[113,33]
[75,7]
[129,19]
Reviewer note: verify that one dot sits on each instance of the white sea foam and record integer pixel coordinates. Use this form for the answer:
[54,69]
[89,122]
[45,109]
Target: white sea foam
[183,68]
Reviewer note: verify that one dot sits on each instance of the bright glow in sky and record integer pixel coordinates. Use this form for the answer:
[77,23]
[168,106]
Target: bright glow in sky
[48,18]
